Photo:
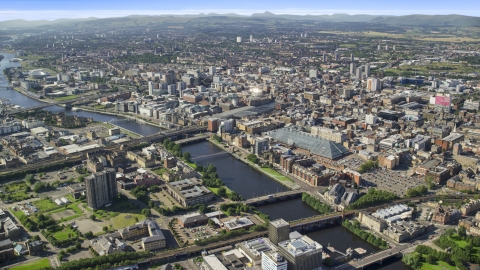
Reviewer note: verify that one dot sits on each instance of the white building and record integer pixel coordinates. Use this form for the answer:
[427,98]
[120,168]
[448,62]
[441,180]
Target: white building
[374,84]
[370,119]
[211,262]
[313,73]
[31,123]
[212,70]
[271,260]
[239,39]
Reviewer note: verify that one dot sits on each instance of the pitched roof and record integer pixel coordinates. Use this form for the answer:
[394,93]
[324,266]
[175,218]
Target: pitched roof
[316,145]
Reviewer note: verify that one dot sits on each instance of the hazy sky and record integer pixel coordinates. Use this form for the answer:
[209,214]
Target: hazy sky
[55,9]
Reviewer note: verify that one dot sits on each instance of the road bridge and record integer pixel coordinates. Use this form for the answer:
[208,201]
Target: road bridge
[193,139]
[281,196]
[320,221]
[373,259]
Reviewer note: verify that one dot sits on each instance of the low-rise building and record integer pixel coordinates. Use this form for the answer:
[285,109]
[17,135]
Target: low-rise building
[189,192]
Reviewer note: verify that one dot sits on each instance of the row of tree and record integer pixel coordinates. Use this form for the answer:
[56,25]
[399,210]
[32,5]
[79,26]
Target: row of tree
[373,197]
[367,166]
[356,229]
[316,203]
[416,191]
[105,262]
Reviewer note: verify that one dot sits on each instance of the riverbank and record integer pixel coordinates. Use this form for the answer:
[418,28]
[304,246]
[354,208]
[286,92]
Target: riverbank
[141,121]
[290,184]
[124,130]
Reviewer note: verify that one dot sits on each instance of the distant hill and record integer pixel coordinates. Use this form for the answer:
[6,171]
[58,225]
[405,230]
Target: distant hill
[13,24]
[324,18]
[430,20]
[408,20]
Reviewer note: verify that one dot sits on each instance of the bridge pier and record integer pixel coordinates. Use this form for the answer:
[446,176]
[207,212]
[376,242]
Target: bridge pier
[68,105]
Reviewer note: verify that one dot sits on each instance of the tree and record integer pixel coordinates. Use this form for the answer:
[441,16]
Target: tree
[187,156]
[29,179]
[222,192]
[462,232]
[105,228]
[88,234]
[93,217]
[81,179]
[146,212]
[211,222]
[430,259]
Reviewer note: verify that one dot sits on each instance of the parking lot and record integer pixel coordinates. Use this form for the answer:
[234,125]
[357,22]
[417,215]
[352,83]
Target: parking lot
[391,180]
[191,234]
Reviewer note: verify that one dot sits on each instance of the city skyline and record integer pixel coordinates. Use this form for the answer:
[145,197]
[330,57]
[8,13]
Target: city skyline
[52,10]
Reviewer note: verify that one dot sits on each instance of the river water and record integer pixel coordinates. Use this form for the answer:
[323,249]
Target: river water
[25,101]
[288,210]
[236,175]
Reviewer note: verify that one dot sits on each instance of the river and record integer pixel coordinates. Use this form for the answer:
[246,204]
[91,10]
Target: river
[25,101]
[236,175]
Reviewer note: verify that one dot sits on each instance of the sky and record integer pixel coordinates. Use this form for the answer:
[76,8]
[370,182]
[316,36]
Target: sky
[56,9]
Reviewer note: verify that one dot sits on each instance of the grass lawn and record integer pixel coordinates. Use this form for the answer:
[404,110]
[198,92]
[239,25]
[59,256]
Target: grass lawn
[74,207]
[18,196]
[215,190]
[18,214]
[39,264]
[14,187]
[62,235]
[125,219]
[191,164]
[66,98]
[276,174]
[438,266]
[44,205]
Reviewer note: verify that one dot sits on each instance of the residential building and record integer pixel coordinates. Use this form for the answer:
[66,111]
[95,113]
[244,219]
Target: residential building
[101,188]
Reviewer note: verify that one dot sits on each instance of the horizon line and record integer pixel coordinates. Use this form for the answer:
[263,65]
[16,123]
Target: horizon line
[52,15]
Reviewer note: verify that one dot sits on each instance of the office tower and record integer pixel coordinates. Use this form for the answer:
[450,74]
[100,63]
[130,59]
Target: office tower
[212,70]
[305,35]
[379,47]
[213,124]
[374,84]
[181,86]
[150,88]
[337,57]
[324,57]
[352,68]
[158,35]
[301,252]
[367,69]
[231,71]
[370,119]
[169,78]
[101,188]
[251,38]
[271,260]
[239,39]
[261,145]
[352,58]
[386,47]
[394,47]
[172,89]
[313,73]
[278,231]
[358,73]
